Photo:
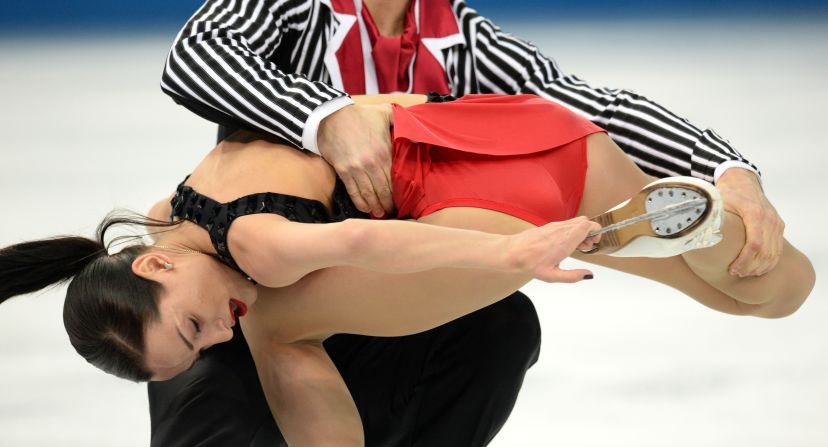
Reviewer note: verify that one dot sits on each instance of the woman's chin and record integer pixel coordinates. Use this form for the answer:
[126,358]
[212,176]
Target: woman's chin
[247,296]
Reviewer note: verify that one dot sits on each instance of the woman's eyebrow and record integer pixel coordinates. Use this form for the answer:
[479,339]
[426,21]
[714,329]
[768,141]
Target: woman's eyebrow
[183,338]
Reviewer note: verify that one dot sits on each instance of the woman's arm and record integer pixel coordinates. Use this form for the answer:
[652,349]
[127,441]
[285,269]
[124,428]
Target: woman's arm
[277,252]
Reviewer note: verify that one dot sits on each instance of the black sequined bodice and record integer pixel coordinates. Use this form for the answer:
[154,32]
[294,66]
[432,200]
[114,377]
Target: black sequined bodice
[217,217]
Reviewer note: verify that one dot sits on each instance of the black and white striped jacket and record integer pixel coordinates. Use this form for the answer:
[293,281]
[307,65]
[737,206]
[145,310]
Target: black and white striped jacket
[262,64]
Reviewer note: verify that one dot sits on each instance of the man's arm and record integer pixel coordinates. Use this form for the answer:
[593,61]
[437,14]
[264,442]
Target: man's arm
[306,394]
[222,68]
[659,142]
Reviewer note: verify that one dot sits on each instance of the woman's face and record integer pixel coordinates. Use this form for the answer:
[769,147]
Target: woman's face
[200,301]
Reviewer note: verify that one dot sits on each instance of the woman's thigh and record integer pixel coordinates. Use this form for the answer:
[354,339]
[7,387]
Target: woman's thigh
[611,176]
[479,219]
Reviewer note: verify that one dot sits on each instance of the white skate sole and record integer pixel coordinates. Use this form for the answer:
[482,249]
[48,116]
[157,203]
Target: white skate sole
[666,218]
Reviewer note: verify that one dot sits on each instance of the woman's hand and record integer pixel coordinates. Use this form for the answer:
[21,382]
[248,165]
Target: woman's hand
[539,251]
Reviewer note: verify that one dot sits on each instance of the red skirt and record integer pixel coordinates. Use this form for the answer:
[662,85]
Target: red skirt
[520,155]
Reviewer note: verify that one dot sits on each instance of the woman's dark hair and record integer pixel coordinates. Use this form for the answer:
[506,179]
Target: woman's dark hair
[107,306]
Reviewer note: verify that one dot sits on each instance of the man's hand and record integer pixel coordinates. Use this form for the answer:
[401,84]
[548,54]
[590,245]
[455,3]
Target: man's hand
[356,141]
[743,196]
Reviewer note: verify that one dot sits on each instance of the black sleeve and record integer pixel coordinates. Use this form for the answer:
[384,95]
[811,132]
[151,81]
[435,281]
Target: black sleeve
[217,403]
[221,68]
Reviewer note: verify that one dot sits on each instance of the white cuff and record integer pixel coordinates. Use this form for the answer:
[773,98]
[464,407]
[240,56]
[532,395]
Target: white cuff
[733,164]
[316,117]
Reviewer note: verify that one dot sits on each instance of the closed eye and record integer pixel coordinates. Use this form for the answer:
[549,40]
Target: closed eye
[196,326]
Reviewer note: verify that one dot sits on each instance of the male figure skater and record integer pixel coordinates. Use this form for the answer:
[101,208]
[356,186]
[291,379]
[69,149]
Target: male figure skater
[285,68]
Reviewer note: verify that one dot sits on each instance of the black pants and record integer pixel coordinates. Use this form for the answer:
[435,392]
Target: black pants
[454,385]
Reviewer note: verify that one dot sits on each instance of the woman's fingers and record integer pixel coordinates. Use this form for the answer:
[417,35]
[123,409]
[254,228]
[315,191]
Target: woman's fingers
[580,233]
[590,241]
[547,246]
[567,276]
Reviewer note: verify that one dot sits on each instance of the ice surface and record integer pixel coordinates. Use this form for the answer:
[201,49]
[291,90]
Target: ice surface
[624,363]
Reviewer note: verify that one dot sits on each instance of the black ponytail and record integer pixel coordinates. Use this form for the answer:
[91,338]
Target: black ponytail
[107,307]
[30,266]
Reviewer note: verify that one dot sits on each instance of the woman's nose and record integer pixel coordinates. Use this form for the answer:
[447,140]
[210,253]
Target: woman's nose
[223,332]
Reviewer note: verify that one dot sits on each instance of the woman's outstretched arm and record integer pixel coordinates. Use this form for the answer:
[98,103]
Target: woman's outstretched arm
[277,252]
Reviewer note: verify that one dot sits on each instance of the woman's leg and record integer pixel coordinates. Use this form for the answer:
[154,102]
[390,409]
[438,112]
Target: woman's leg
[363,302]
[703,274]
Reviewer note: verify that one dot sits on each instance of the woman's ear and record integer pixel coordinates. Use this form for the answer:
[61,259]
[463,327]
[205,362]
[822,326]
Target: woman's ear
[150,264]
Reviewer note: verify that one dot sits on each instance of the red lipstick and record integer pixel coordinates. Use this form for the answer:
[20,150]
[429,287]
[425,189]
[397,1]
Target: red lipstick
[241,308]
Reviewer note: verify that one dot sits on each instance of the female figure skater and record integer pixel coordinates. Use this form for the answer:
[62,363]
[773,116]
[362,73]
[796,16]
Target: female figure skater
[497,181]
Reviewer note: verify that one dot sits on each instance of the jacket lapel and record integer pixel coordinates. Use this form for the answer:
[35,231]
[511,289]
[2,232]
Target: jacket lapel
[344,19]
[440,29]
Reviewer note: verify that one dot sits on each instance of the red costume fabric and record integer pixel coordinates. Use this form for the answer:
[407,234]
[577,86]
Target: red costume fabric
[520,155]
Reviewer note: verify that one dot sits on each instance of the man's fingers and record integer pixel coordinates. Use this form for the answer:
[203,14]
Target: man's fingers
[382,186]
[366,191]
[753,243]
[767,254]
[780,249]
[743,195]
[763,245]
[769,266]
[771,258]
[356,141]
[353,192]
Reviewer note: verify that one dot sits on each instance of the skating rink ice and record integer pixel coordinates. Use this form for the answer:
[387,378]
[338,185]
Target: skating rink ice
[625,362]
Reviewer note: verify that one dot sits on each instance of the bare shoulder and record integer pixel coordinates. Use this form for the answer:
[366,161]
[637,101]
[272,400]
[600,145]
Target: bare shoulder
[249,164]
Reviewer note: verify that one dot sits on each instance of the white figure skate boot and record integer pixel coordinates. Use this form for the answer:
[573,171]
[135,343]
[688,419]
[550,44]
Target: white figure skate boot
[666,218]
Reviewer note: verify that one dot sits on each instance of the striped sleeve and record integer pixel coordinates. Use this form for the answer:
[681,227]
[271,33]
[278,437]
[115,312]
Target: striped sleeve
[660,142]
[220,67]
